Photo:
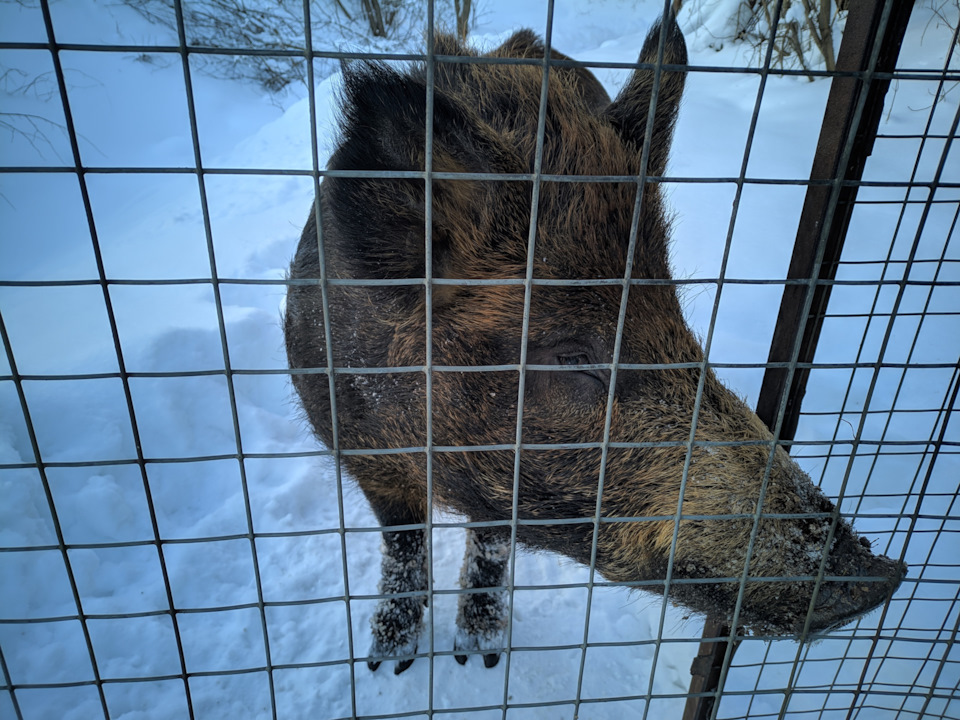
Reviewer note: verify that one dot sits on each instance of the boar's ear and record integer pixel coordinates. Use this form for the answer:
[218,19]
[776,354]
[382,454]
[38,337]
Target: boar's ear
[629,112]
[383,128]
[384,125]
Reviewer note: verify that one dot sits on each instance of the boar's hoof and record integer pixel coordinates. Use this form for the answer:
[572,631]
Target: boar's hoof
[489,659]
[380,650]
[397,669]
[480,643]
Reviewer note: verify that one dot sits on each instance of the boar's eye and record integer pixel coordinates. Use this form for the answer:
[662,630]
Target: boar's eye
[574,359]
[581,359]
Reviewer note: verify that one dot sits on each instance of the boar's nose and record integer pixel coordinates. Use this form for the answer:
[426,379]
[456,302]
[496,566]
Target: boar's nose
[869,580]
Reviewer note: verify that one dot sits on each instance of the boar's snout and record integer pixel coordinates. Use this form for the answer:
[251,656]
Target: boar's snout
[785,545]
[869,580]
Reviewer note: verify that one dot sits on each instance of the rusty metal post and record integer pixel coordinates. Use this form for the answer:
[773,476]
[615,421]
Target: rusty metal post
[706,668]
[860,37]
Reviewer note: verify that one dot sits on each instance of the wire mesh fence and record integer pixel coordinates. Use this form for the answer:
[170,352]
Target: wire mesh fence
[173,546]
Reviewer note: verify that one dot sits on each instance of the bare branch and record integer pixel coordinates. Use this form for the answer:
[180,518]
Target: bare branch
[803,37]
[381,25]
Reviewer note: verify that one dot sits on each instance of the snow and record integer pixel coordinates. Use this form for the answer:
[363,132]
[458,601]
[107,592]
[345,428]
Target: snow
[130,110]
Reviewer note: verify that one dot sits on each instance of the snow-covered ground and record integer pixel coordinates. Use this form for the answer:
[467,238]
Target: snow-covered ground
[130,111]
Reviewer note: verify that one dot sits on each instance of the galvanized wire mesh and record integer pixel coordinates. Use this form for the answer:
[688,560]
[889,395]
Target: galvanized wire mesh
[904,664]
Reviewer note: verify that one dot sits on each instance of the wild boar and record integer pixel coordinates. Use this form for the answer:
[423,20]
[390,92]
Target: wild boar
[485,121]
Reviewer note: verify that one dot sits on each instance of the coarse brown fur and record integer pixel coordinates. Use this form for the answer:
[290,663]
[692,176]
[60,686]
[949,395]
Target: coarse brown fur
[485,121]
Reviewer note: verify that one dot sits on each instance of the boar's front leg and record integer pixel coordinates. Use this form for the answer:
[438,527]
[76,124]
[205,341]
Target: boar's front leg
[482,616]
[396,622]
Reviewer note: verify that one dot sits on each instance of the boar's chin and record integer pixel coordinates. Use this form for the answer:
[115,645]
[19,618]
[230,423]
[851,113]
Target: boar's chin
[870,581]
[838,603]
[855,582]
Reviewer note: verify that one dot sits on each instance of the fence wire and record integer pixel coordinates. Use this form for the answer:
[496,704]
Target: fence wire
[883,388]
